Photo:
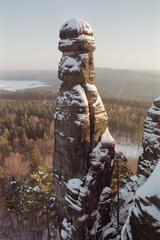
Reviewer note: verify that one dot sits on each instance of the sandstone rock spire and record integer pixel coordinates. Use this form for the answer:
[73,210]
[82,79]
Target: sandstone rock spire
[84,148]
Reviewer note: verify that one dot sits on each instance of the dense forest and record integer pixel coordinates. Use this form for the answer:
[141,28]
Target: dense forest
[26,152]
[26,123]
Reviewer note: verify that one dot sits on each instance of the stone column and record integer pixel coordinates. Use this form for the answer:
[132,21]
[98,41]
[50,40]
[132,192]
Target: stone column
[84,148]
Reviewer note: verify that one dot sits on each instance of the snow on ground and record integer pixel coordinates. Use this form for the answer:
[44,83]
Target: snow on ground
[13,85]
[131,151]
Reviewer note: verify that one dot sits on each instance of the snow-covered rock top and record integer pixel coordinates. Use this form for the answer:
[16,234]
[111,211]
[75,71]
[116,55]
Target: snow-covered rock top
[76,35]
[75,26]
[157,102]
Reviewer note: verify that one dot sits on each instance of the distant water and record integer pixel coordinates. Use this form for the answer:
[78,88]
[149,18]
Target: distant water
[11,85]
[132,151]
[127,147]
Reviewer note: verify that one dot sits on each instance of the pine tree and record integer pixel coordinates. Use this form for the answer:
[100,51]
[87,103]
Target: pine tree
[35,158]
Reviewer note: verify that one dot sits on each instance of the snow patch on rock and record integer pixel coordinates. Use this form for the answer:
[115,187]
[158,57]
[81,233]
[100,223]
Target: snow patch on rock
[78,24]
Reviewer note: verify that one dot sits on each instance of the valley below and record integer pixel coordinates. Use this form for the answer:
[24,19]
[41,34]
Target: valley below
[26,145]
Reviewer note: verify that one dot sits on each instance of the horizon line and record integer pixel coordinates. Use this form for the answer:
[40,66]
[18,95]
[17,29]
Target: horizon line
[54,70]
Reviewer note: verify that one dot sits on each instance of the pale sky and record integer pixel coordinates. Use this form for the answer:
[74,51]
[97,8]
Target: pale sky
[127,32]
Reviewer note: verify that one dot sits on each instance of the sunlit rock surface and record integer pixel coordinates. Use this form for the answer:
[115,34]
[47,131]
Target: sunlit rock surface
[84,148]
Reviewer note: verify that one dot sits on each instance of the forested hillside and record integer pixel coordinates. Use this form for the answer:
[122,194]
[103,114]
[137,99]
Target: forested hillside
[26,120]
[26,123]
[26,153]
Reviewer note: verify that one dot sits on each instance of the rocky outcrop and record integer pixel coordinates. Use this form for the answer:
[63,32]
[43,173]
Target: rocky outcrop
[126,196]
[84,148]
[146,164]
[151,141]
[144,216]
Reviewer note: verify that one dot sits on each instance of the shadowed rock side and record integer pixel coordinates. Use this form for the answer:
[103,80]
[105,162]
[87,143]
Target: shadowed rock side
[151,141]
[84,148]
[144,215]
[147,161]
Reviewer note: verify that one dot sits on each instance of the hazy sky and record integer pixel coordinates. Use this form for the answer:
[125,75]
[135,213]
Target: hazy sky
[127,32]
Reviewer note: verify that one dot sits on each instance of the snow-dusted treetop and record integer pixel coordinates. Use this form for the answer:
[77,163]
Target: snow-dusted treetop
[75,27]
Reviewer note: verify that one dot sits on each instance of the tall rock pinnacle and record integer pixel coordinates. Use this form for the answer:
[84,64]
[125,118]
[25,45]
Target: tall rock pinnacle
[84,148]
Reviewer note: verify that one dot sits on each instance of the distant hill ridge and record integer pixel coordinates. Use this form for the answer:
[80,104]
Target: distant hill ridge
[110,82]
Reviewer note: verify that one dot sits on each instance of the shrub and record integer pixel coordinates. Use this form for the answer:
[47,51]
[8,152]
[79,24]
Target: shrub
[15,166]
[35,158]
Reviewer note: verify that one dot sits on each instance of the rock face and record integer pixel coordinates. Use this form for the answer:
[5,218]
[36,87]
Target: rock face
[146,164]
[84,148]
[151,141]
[144,216]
